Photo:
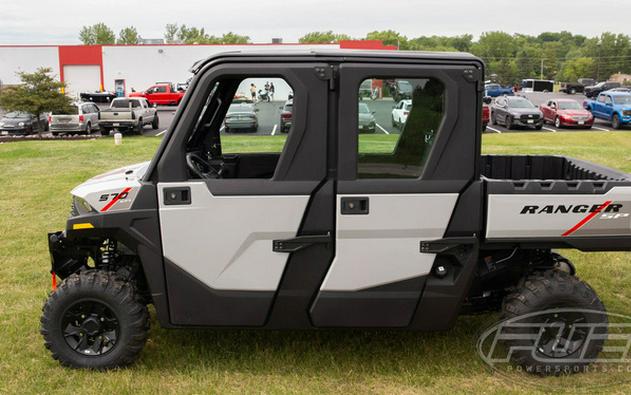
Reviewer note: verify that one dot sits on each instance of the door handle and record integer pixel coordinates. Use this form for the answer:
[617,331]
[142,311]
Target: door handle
[177,195]
[355,205]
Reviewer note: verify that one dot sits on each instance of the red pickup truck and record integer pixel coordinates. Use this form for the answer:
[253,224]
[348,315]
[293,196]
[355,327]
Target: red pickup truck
[164,94]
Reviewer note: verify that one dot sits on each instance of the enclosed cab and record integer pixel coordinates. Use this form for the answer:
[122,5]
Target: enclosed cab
[328,227]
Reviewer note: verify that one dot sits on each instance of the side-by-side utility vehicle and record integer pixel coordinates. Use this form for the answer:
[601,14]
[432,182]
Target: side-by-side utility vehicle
[326,227]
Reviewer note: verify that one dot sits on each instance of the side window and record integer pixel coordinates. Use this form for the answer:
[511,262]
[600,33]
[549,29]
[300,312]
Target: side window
[246,121]
[161,89]
[607,100]
[395,142]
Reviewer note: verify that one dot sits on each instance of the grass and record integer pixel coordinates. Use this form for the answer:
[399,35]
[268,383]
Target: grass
[36,178]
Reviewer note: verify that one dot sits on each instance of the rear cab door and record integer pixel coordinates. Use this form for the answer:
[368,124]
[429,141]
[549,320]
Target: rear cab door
[398,188]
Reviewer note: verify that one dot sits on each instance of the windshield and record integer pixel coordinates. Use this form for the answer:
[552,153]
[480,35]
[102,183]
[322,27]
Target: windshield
[405,86]
[16,114]
[622,99]
[492,86]
[363,108]
[124,103]
[520,103]
[569,105]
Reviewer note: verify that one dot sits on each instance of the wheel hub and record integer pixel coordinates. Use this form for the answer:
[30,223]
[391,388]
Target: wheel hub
[90,328]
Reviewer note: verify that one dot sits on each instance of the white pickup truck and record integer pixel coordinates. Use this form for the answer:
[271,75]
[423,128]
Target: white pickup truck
[128,114]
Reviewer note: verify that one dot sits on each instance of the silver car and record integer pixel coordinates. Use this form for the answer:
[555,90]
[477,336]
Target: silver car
[241,117]
[82,117]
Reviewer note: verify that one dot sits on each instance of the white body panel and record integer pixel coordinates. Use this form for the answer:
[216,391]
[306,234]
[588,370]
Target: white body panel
[384,246]
[504,218]
[226,241]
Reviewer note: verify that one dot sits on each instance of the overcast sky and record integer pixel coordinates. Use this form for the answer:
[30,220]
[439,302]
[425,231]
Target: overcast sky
[59,21]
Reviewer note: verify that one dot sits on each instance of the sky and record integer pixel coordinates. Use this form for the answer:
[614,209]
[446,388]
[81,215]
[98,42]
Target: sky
[59,21]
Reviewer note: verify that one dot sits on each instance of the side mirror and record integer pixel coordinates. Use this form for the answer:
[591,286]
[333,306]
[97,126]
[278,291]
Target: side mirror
[487,99]
[256,110]
[609,104]
[373,112]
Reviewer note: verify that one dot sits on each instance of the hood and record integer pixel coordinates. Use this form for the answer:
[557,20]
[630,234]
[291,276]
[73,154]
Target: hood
[14,121]
[99,191]
[366,118]
[521,111]
[574,113]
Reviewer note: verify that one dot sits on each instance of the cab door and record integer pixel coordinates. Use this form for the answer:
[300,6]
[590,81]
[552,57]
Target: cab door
[396,188]
[229,237]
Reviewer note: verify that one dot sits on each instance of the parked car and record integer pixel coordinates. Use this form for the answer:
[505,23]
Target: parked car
[23,123]
[82,117]
[566,112]
[533,85]
[129,114]
[614,107]
[512,111]
[400,89]
[486,116]
[495,90]
[241,117]
[295,240]
[571,88]
[286,113]
[366,119]
[161,94]
[97,97]
[594,90]
[400,113]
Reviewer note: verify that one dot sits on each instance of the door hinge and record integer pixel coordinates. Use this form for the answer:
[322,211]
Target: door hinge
[300,242]
[327,74]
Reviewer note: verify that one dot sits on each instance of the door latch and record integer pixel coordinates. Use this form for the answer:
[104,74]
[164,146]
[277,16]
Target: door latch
[300,242]
[354,206]
[177,195]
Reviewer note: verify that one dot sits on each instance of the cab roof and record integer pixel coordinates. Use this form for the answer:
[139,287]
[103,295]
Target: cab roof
[340,55]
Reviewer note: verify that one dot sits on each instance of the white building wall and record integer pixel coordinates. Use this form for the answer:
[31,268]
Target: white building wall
[142,66]
[29,59]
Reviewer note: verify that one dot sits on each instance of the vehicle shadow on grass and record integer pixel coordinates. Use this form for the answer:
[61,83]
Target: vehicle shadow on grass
[318,351]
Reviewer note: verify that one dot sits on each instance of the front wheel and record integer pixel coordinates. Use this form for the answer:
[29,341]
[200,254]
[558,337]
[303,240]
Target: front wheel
[559,310]
[509,122]
[615,122]
[94,320]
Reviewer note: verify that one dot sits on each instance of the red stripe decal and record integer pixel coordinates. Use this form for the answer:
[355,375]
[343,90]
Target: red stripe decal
[113,201]
[586,219]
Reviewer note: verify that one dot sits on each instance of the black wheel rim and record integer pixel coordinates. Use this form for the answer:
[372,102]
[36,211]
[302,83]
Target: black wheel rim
[560,337]
[90,328]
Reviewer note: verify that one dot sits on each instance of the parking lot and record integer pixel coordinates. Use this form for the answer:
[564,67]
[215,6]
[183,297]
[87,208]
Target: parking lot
[538,98]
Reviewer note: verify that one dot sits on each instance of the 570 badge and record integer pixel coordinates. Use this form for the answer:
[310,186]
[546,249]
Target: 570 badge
[113,198]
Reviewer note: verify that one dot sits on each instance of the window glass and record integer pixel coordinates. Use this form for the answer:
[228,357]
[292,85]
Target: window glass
[244,125]
[161,89]
[398,126]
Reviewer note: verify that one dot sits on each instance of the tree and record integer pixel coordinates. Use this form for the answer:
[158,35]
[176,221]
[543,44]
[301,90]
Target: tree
[576,68]
[389,37]
[323,37]
[232,38]
[128,35]
[97,34]
[39,92]
[170,33]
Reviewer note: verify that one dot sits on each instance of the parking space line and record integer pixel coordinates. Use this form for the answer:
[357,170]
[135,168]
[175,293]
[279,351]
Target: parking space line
[493,129]
[549,129]
[161,133]
[274,129]
[603,129]
[382,129]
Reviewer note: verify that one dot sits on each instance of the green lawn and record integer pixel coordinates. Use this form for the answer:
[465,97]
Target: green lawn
[36,178]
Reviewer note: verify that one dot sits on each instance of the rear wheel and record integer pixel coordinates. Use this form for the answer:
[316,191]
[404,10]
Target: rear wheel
[88,128]
[139,127]
[155,123]
[554,302]
[94,320]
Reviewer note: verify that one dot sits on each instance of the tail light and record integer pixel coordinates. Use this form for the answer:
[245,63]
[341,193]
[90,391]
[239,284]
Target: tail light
[406,113]
[285,115]
[81,118]
[50,119]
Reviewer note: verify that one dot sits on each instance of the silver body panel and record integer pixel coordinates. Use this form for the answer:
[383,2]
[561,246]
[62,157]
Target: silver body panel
[226,241]
[383,246]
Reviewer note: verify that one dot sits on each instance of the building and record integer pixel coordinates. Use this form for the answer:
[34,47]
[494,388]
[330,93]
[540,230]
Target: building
[88,68]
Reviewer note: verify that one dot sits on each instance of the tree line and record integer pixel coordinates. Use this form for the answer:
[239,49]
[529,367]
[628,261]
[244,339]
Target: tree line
[560,56]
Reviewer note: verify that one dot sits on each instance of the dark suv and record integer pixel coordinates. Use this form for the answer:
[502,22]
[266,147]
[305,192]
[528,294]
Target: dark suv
[512,111]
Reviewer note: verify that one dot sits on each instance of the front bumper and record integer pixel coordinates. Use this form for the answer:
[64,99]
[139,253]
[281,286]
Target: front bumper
[117,124]
[14,131]
[574,123]
[525,123]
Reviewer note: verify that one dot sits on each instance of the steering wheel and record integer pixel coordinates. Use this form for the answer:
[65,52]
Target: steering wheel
[202,167]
